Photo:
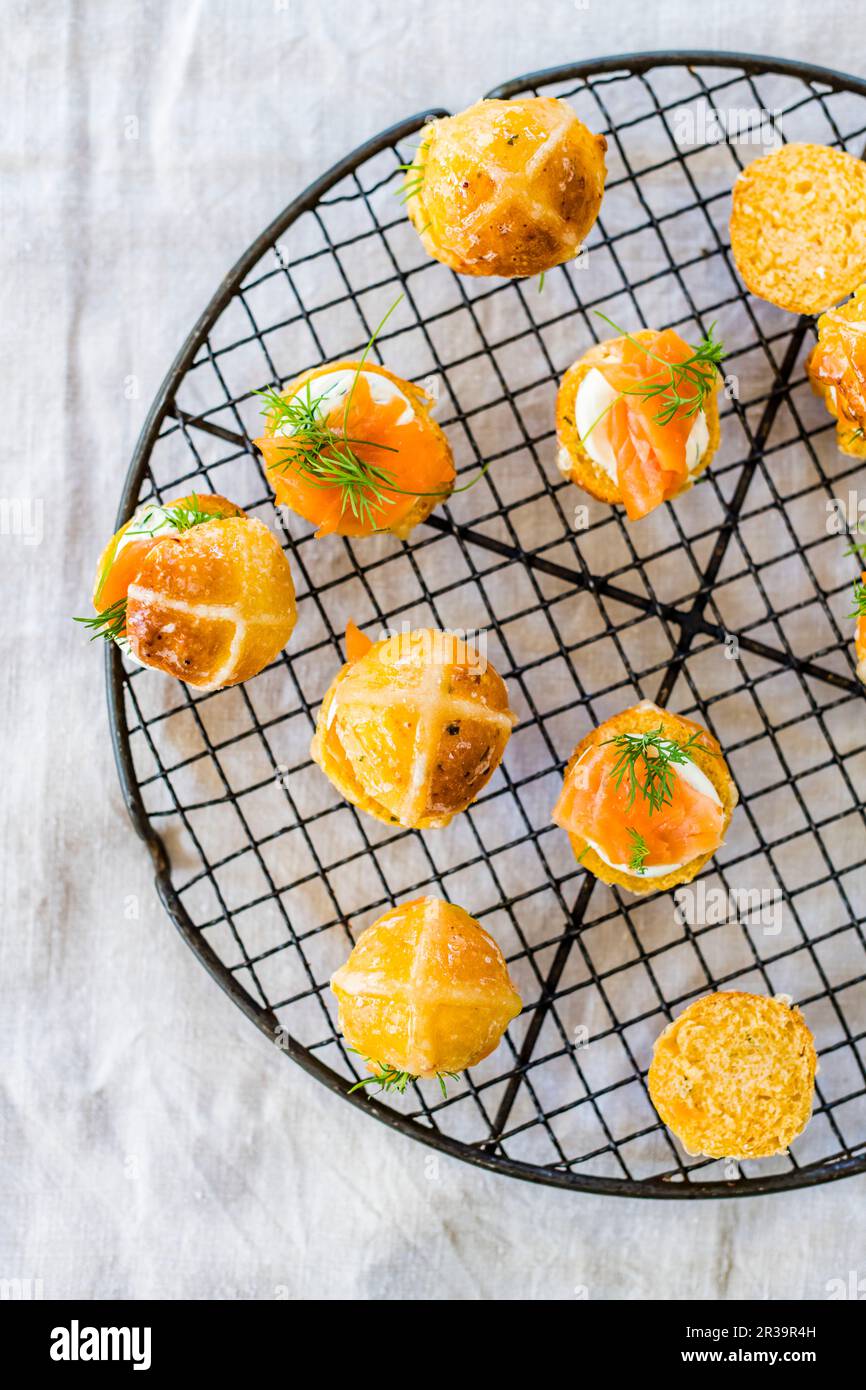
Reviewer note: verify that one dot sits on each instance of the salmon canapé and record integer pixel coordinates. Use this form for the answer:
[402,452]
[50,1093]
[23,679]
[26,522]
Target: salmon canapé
[197,589]
[646,799]
[637,418]
[353,449]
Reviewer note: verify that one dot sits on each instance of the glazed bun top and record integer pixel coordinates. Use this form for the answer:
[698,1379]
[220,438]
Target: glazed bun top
[122,558]
[733,1075]
[412,730]
[212,605]
[507,187]
[426,990]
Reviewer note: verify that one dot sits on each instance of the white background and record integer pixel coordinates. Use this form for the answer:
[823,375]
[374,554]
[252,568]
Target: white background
[153,1143]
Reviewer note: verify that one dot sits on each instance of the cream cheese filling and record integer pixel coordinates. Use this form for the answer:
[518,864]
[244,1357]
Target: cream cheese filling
[335,386]
[594,396]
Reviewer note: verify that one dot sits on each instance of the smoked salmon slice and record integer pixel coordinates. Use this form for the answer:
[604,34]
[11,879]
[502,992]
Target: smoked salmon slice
[594,807]
[122,572]
[650,453]
[357,643]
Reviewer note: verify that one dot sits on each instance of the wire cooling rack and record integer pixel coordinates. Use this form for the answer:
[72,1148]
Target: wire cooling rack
[730,605]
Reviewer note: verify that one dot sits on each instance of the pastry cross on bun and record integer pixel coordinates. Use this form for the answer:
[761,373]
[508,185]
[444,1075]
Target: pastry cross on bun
[210,601]
[413,727]
[507,187]
[426,992]
[733,1076]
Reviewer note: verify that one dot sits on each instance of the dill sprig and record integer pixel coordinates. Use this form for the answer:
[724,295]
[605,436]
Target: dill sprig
[413,176]
[681,388]
[388,1078]
[659,756]
[412,182]
[639,852]
[327,458]
[109,624]
[858,596]
[859,600]
[182,517]
[857,548]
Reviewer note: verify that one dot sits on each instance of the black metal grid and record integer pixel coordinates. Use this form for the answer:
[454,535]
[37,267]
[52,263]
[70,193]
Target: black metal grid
[270,876]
